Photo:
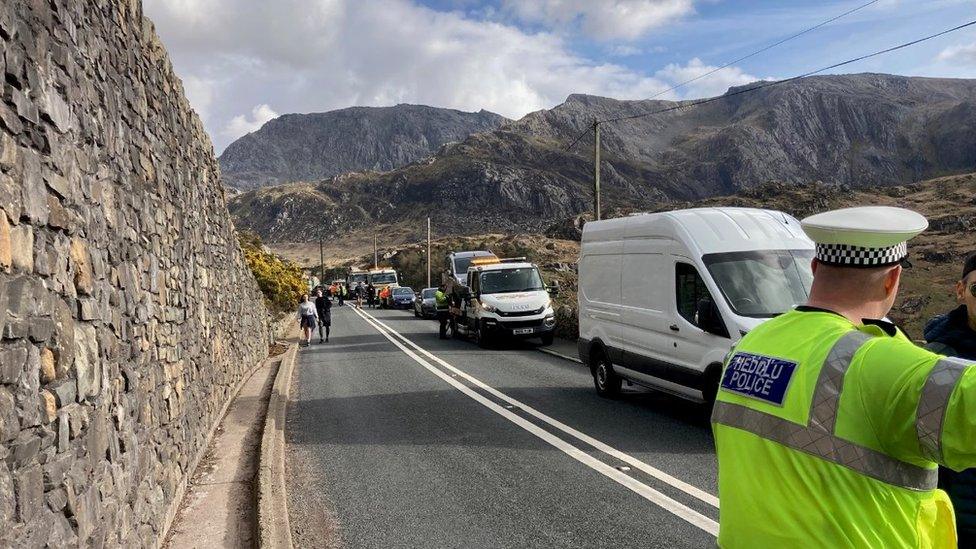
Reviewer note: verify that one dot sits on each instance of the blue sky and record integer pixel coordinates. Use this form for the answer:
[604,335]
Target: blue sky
[244,62]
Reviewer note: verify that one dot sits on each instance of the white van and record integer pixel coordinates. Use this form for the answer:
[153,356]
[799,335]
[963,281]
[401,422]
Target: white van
[662,297]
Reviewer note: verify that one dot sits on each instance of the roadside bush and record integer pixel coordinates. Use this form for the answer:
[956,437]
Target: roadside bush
[281,282]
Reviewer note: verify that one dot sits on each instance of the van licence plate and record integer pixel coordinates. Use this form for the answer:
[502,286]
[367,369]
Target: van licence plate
[522,331]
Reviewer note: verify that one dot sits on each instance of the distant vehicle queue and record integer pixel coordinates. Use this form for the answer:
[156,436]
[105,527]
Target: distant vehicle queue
[662,297]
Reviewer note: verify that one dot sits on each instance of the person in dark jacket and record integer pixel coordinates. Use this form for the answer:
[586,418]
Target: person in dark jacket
[323,305]
[954,334]
[371,295]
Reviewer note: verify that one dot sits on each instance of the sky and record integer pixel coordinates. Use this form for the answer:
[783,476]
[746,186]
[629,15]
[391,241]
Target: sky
[245,62]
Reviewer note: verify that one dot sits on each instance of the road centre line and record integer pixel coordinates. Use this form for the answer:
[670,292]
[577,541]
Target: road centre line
[674,507]
[603,447]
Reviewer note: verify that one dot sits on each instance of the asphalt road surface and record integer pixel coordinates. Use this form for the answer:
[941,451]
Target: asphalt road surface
[399,439]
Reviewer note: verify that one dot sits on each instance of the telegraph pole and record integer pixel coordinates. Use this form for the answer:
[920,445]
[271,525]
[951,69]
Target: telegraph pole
[596,170]
[376,261]
[428,252]
[321,262]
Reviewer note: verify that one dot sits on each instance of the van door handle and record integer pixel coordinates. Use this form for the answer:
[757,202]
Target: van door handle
[674,327]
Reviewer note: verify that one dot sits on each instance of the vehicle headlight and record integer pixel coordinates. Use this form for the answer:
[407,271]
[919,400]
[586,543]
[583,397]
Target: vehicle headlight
[550,321]
[489,308]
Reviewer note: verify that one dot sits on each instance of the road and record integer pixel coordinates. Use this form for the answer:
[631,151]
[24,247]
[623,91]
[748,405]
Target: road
[399,439]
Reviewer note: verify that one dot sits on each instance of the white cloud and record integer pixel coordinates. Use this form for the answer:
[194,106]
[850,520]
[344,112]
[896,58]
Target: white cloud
[318,55]
[624,50]
[962,54]
[241,124]
[709,86]
[604,19]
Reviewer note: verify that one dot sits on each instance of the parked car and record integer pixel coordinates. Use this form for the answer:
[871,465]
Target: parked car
[425,306]
[663,297]
[402,297]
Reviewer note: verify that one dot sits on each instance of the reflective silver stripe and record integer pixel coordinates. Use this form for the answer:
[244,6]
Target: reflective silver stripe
[826,446]
[826,394]
[933,402]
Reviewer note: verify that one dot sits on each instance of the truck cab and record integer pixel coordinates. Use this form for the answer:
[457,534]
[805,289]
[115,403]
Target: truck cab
[354,278]
[506,299]
[381,279]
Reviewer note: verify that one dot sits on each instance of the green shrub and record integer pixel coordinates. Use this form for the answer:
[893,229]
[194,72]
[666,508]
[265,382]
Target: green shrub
[281,282]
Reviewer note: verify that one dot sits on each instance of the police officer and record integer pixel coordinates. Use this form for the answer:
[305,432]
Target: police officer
[829,422]
[442,303]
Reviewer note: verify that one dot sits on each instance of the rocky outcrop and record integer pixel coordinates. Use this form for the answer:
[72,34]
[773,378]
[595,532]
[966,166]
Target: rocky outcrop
[856,130]
[310,147]
[127,312]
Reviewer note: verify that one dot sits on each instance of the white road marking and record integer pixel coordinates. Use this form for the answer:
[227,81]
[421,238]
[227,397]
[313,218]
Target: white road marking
[676,508]
[605,448]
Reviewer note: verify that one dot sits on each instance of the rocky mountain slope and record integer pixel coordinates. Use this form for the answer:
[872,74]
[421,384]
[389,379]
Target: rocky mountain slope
[937,254]
[310,147]
[859,130]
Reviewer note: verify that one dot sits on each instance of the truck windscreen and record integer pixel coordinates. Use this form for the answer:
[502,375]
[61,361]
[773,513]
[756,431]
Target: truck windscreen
[382,278]
[524,279]
[356,278]
[762,284]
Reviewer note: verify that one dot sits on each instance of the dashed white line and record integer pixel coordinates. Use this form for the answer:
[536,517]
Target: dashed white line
[676,508]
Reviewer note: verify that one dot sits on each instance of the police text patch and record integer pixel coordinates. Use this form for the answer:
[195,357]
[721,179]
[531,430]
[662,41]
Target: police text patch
[761,377]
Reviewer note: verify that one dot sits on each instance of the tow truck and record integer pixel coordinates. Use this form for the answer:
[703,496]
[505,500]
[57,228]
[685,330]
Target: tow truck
[506,299]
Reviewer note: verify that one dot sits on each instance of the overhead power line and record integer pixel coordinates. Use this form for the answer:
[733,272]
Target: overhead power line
[743,58]
[791,79]
[764,49]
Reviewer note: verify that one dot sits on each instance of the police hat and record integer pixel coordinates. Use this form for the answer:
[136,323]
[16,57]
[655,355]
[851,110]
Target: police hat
[870,236]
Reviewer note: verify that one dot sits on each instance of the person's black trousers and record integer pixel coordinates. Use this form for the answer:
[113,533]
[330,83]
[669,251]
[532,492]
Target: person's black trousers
[443,317]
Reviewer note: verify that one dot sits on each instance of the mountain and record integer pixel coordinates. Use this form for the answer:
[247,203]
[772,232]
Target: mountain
[861,131]
[309,147]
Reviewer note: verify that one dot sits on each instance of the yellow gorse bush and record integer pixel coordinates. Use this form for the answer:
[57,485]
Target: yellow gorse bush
[280,281]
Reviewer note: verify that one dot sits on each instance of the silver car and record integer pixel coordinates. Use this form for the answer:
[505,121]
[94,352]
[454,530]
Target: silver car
[425,306]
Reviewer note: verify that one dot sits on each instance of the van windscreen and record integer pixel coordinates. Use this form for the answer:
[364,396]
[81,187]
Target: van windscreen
[764,283]
[524,279]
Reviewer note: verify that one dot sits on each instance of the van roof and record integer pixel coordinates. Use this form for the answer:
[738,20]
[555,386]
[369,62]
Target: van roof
[708,230]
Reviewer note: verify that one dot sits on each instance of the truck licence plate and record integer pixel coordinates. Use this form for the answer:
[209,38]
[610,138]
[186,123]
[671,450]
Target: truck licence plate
[522,331]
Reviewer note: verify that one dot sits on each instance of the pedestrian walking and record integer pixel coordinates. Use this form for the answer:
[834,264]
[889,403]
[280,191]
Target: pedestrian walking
[442,304]
[307,318]
[829,422]
[371,295]
[323,307]
[342,293]
[360,294]
[954,334]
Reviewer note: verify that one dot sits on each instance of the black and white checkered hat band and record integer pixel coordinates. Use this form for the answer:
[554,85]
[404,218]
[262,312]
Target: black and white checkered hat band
[856,256]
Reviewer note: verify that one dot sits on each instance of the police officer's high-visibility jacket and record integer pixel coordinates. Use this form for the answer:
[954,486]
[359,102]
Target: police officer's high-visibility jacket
[440,299]
[828,435]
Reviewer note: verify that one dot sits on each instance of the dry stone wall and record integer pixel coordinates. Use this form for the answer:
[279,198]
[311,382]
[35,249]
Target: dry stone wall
[128,314]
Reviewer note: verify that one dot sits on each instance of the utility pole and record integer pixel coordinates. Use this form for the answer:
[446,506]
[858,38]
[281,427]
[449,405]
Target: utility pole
[376,261]
[596,169]
[428,252]
[321,262]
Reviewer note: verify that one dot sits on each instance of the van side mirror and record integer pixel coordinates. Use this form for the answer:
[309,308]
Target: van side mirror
[709,319]
[553,288]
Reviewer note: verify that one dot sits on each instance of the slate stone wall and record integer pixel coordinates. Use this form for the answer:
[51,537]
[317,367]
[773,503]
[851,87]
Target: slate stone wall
[128,314]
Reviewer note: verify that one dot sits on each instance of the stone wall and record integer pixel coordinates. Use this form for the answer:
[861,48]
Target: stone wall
[128,314]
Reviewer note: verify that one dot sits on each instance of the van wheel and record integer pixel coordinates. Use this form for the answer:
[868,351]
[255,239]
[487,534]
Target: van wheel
[606,381]
[484,341]
[547,340]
